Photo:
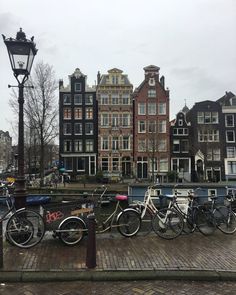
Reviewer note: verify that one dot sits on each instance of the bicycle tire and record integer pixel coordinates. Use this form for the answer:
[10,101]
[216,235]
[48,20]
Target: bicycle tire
[168,223]
[205,221]
[225,219]
[25,228]
[71,231]
[128,222]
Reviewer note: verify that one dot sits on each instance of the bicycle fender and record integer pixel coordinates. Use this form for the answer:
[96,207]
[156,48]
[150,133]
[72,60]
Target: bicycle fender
[127,209]
[72,217]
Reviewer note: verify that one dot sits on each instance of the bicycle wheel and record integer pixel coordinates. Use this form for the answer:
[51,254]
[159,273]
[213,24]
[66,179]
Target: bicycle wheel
[168,223]
[71,231]
[25,228]
[146,223]
[205,221]
[128,222]
[225,219]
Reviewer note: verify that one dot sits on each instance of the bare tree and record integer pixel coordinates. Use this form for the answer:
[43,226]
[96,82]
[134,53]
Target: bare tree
[40,108]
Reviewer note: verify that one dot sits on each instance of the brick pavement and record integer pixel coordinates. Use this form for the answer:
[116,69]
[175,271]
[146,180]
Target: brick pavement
[116,253]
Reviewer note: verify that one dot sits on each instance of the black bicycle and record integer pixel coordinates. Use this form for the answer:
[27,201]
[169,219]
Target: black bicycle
[24,227]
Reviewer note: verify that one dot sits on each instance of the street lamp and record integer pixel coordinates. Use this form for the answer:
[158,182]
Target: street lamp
[21,53]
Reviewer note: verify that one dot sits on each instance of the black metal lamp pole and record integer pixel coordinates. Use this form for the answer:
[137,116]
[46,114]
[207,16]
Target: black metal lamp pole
[21,53]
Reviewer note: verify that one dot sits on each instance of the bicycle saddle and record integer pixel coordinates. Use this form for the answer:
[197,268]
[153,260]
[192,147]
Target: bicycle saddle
[121,198]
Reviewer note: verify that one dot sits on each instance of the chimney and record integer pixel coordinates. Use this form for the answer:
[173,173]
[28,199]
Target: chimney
[60,83]
[98,78]
[162,81]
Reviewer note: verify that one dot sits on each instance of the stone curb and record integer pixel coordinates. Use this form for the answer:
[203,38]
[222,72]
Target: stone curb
[92,275]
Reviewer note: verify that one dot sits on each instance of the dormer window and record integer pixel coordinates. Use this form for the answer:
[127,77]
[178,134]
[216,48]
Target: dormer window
[180,121]
[66,99]
[77,87]
[233,101]
[151,93]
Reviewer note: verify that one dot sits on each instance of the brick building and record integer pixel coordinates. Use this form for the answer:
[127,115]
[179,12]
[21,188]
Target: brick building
[151,126]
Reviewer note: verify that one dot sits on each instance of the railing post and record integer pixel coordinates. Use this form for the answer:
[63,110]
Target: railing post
[91,244]
[1,245]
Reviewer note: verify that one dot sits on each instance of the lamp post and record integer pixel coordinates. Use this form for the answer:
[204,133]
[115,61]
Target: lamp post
[21,53]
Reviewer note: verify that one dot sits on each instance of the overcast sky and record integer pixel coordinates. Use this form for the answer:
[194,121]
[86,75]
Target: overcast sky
[192,41]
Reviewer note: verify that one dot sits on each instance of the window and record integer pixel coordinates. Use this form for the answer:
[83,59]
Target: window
[68,164]
[81,164]
[162,126]
[183,165]
[214,118]
[104,120]
[233,101]
[115,120]
[126,143]
[125,99]
[141,126]
[176,146]
[78,113]
[78,99]
[142,108]
[89,145]
[152,126]
[163,165]
[230,136]
[229,120]
[125,120]
[67,128]
[66,99]
[78,144]
[104,99]
[67,146]
[67,113]
[115,143]
[207,118]
[162,145]
[78,128]
[213,154]
[115,99]
[152,145]
[88,99]
[180,122]
[208,135]
[151,109]
[184,146]
[115,164]
[180,131]
[89,128]
[77,87]
[104,164]
[231,152]
[141,145]
[114,79]
[151,93]
[162,108]
[200,117]
[104,143]
[231,167]
[88,113]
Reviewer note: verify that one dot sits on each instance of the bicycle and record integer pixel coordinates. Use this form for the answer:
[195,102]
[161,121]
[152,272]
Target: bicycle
[195,216]
[166,222]
[24,228]
[224,217]
[127,221]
